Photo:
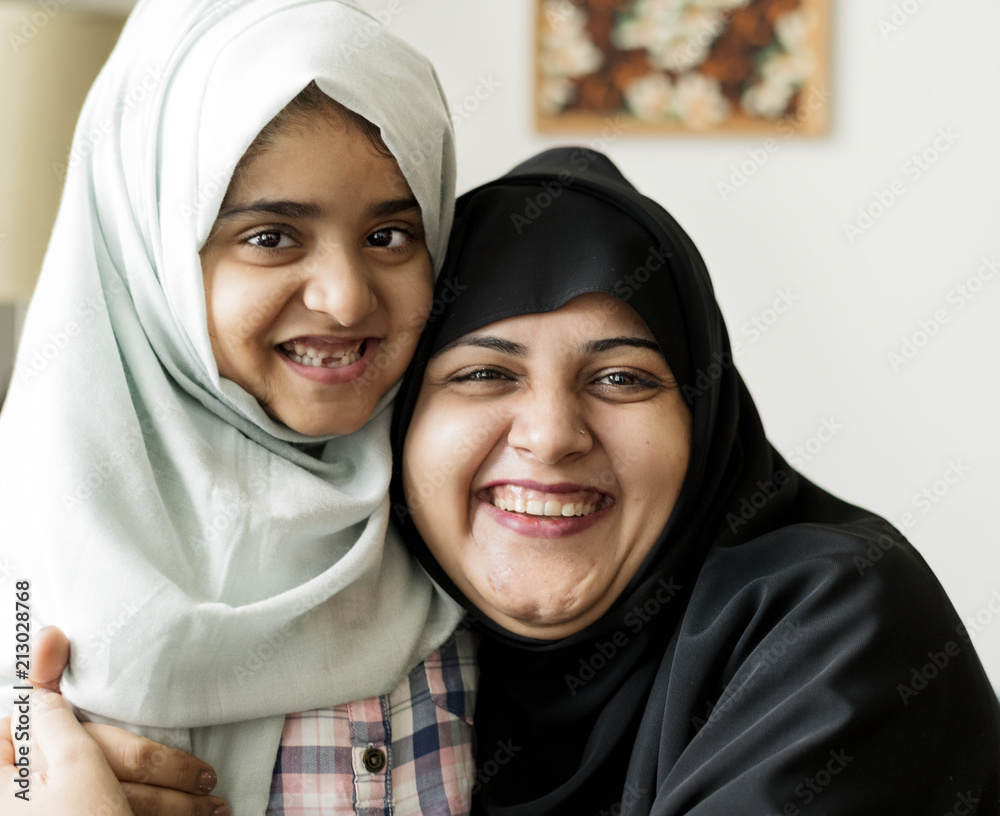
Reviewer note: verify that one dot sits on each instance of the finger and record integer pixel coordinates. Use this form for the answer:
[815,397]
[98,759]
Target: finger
[140,760]
[61,742]
[147,800]
[50,654]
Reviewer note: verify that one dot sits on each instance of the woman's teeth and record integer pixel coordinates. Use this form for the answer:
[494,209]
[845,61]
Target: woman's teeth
[535,507]
[323,358]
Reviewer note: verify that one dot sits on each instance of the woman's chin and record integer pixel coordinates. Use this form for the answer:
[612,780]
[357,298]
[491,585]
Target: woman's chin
[535,613]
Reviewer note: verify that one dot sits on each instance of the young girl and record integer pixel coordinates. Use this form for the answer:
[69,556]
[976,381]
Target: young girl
[195,452]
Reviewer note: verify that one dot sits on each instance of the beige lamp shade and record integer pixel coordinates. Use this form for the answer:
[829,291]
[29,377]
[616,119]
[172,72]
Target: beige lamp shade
[49,57]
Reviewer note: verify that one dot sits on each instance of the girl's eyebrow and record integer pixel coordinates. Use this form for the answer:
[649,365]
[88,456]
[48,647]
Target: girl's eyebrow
[284,209]
[298,209]
[394,206]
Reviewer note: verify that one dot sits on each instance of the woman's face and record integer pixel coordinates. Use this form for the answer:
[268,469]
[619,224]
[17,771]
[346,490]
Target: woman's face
[317,279]
[545,455]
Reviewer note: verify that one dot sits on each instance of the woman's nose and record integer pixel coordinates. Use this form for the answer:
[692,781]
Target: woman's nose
[337,284]
[549,426]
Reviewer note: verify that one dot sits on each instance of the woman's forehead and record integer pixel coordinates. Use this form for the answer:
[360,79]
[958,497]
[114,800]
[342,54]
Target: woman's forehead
[585,318]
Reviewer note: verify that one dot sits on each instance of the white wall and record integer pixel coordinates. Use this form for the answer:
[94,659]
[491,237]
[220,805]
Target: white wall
[826,359]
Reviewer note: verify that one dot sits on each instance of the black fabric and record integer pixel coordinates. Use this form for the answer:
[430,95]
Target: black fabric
[779,651]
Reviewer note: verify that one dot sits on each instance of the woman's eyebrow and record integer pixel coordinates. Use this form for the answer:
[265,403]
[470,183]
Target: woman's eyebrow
[490,342]
[284,209]
[597,346]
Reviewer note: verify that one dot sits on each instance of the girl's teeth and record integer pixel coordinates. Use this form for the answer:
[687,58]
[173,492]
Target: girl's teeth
[308,356]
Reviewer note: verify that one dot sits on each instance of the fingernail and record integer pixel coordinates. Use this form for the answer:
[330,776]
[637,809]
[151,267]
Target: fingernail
[207,781]
[221,810]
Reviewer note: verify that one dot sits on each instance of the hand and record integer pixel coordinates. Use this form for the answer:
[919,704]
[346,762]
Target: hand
[68,772]
[157,780]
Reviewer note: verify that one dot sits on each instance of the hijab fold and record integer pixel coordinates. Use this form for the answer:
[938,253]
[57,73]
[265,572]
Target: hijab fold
[753,649]
[211,574]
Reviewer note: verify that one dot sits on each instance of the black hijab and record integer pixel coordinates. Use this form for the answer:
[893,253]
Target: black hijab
[779,650]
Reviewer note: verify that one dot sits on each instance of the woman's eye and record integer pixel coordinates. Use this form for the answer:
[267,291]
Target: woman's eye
[271,239]
[625,379]
[389,238]
[480,375]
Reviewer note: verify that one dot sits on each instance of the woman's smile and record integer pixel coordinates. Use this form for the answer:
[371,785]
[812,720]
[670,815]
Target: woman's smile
[543,511]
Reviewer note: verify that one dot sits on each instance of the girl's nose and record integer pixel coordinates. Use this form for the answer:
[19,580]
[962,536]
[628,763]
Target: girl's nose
[549,426]
[338,285]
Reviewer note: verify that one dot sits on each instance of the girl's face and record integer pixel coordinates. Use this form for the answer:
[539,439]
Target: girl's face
[317,278]
[545,455]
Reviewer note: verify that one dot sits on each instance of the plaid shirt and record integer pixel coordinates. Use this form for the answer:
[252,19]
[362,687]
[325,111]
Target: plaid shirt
[406,753]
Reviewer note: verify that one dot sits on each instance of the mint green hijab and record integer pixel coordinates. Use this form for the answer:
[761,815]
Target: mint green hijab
[211,576]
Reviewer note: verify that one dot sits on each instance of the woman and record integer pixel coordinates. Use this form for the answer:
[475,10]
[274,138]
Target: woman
[673,620]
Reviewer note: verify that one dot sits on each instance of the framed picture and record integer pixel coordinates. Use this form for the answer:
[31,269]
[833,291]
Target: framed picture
[739,67]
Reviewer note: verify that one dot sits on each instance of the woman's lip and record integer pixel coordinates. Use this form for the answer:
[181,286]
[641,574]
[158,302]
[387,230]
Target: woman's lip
[561,487]
[334,376]
[543,526]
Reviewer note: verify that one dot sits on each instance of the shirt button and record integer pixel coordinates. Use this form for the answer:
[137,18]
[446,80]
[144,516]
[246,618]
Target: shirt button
[374,760]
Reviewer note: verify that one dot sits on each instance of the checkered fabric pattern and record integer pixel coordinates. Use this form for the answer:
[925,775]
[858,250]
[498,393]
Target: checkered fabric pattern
[406,753]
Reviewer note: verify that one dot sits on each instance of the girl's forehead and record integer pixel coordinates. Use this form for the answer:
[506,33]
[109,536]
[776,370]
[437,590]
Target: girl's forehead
[309,160]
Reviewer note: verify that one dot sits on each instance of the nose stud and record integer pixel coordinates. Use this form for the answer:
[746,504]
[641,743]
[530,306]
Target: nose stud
[582,431]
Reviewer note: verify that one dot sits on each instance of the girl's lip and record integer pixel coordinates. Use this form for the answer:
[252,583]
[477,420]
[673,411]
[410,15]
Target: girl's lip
[335,376]
[543,526]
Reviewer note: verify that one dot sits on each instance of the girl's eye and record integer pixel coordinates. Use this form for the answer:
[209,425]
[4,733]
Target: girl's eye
[389,238]
[271,239]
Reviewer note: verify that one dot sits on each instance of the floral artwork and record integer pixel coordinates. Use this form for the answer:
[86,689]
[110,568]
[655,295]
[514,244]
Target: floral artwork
[694,66]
